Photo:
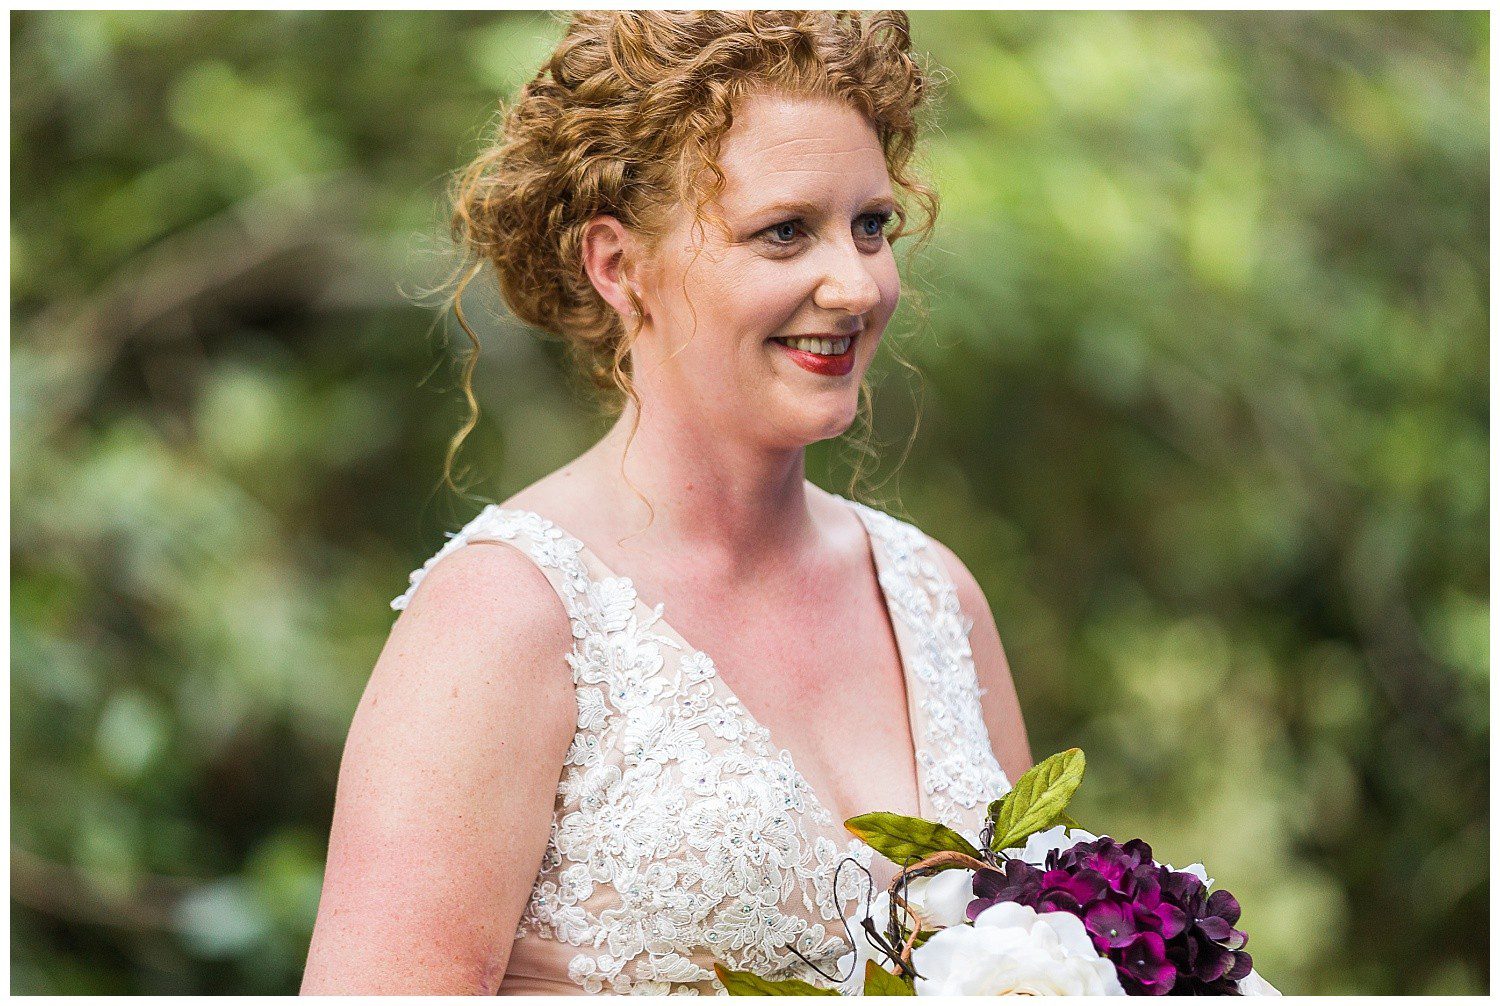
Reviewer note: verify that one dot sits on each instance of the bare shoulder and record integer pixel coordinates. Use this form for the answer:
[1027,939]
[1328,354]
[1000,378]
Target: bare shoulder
[1001,705]
[568,496]
[486,592]
[447,783]
[483,635]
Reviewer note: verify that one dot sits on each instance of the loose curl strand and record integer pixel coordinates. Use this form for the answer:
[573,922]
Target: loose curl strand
[626,118]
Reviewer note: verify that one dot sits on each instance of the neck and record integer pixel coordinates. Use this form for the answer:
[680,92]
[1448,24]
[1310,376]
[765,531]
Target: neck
[730,505]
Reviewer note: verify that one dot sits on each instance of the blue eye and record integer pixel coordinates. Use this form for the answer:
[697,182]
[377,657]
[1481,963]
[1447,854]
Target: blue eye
[786,231]
[879,220]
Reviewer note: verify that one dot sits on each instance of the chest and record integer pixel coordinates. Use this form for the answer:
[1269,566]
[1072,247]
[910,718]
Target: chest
[822,671]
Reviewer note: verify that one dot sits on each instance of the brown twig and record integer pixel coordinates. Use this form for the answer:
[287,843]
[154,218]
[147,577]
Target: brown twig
[922,867]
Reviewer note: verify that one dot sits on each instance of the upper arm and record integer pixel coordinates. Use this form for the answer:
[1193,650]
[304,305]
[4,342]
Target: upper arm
[999,703]
[447,784]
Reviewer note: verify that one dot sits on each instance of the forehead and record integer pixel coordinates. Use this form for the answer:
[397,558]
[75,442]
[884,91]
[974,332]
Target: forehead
[800,146]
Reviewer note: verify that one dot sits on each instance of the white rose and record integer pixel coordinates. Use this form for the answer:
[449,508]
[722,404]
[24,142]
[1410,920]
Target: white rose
[1012,950]
[941,899]
[1254,985]
[1057,837]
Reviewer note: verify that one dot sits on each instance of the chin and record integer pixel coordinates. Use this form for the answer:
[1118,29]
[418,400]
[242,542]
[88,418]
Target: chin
[836,426]
[800,420]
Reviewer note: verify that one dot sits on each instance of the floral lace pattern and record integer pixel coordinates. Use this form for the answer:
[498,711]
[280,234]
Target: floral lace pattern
[681,834]
[955,756]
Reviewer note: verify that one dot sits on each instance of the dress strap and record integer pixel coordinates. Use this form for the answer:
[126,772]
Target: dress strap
[922,581]
[928,590]
[955,751]
[561,557]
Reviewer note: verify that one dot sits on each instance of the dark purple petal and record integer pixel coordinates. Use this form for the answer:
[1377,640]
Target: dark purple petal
[1110,868]
[1183,888]
[1085,886]
[1224,905]
[1241,966]
[988,883]
[1146,888]
[1169,920]
[1144,960]
[1215,928]
[1112,920]
[1213,961]
[1058,901]
[1019,882]
[1137,851]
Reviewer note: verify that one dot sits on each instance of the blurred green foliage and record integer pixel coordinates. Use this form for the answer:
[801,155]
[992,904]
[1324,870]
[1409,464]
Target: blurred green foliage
[1204,410]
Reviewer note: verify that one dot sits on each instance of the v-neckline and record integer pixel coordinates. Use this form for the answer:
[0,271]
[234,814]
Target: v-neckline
[904,655]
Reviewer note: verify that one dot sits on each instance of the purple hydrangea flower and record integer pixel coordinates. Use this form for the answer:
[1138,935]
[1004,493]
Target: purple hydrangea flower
[1161,929]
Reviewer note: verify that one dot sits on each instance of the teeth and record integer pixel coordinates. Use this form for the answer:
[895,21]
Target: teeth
[823,347]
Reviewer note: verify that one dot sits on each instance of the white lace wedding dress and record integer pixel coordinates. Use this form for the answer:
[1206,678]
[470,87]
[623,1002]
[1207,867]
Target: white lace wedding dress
[682,833]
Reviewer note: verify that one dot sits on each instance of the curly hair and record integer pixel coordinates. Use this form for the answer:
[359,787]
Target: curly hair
[626,118]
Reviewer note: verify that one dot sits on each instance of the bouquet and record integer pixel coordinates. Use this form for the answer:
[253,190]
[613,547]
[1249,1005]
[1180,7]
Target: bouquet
[1037,906]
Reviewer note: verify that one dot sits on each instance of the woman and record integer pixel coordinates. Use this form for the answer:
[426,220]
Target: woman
[548,786]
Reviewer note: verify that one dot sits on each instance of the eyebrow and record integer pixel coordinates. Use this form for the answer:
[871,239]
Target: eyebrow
[805,208]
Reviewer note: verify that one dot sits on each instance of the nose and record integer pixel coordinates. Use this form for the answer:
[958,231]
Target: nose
[847,285]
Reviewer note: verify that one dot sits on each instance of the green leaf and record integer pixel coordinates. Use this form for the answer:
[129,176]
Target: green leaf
[743,983]
[1037,800]
[903,839]
[1063,818]
[880,982]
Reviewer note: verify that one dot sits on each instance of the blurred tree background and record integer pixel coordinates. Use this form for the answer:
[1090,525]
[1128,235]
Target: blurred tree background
[1204,409]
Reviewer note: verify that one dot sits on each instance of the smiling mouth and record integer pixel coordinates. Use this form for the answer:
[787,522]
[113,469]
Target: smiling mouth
[828,356]
[821,346]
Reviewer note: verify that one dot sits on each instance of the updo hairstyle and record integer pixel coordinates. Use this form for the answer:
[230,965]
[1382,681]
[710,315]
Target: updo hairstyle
[626,119]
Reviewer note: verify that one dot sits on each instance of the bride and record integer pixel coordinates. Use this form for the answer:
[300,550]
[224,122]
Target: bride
[615,731]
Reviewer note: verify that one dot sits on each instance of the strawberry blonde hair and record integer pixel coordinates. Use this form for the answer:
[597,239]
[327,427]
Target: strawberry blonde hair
[626,118]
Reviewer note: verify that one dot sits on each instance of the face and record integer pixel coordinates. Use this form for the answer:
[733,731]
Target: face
[807,201]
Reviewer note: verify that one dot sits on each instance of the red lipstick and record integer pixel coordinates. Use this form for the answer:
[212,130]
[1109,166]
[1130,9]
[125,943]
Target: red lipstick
[817,363]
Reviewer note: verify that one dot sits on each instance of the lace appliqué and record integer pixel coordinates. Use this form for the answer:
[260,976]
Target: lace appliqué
[957,760]
[680,834]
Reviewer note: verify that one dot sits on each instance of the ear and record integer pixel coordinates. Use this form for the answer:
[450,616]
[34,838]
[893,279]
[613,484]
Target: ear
[607,247]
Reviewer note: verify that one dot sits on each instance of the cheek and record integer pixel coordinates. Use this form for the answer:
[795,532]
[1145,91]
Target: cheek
[720,324]
[731,299]
[888,278]
[748,303]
